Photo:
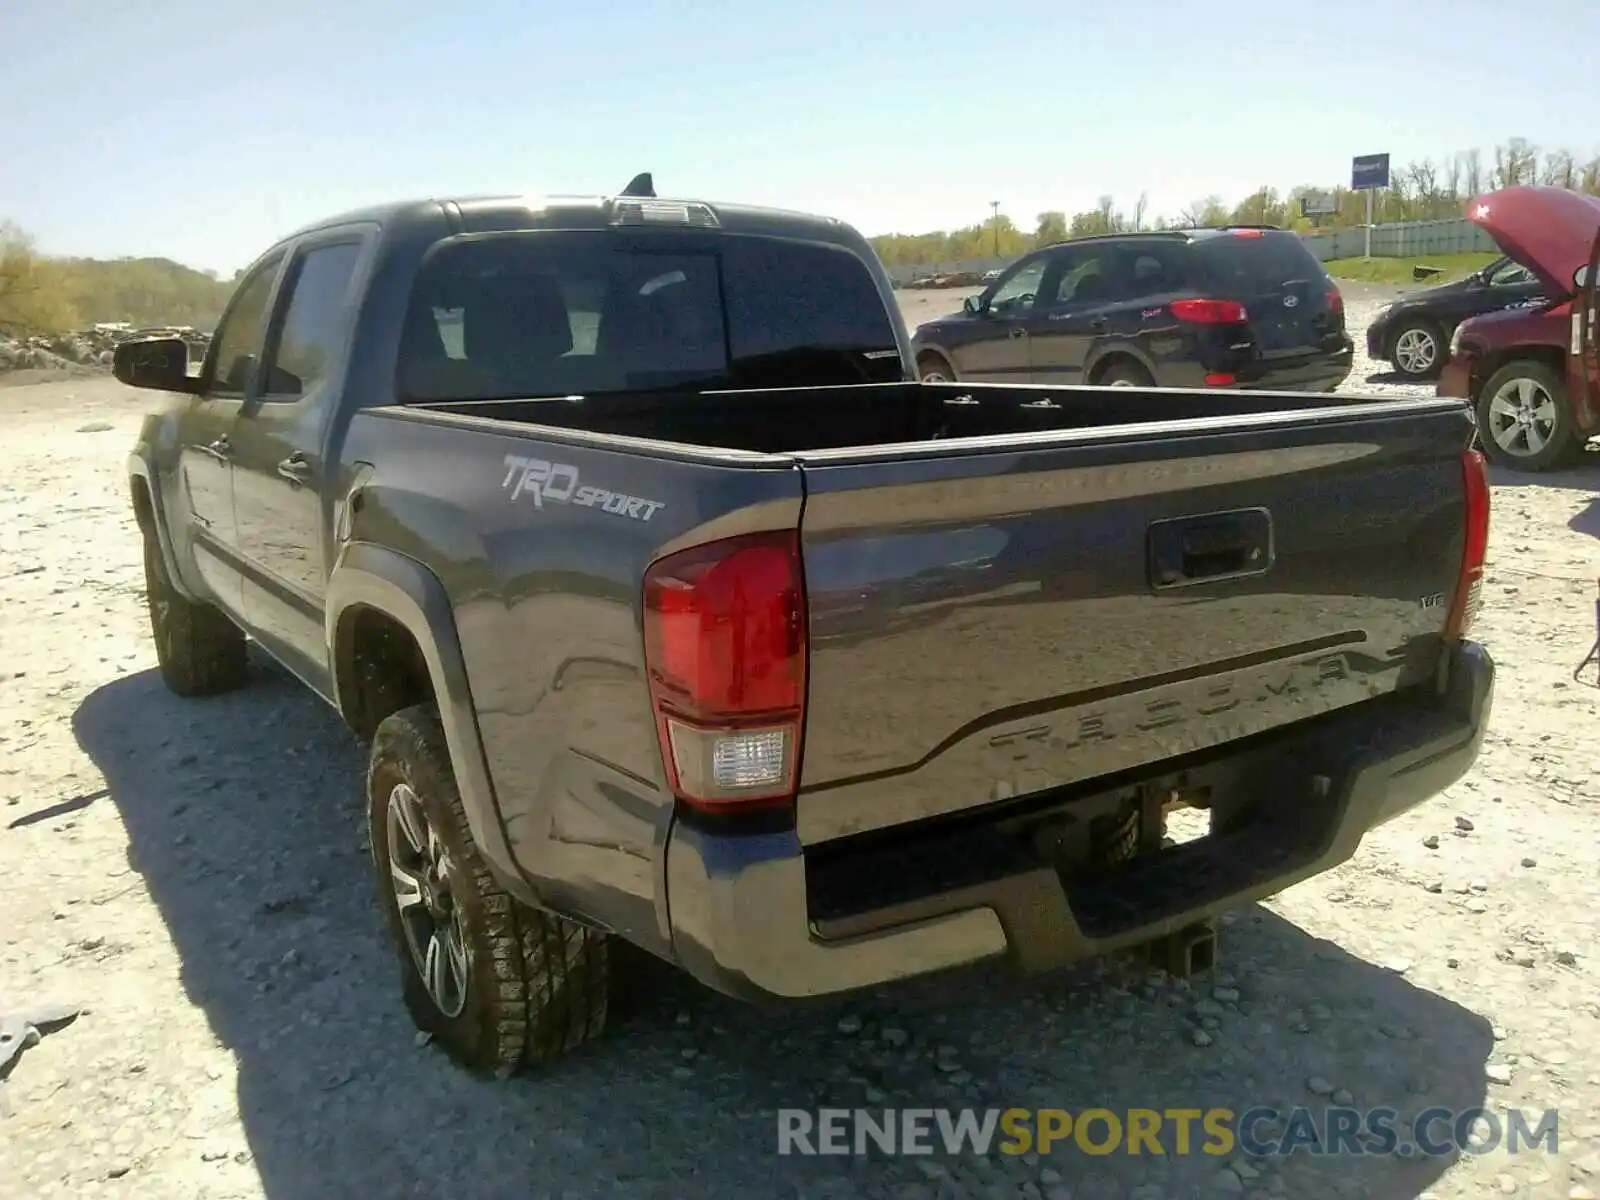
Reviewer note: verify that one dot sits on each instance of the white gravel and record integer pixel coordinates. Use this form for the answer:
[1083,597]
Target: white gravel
[193,874]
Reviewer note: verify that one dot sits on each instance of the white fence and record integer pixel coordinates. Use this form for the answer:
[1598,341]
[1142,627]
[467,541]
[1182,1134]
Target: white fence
[1400,239]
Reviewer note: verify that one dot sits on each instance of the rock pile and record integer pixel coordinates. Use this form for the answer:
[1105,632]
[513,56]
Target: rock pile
[87,347]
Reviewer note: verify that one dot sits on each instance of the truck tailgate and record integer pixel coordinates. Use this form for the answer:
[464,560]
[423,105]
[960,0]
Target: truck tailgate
[1000,617]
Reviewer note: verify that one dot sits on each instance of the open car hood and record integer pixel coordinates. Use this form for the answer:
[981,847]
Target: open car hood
[1549,230]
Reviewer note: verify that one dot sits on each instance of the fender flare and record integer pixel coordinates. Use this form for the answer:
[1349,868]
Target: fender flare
[139,472]
[403,589]
[1117,350]
[938,351]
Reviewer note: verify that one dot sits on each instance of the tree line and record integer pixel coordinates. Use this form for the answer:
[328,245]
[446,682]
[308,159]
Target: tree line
[46,295]
[1420,191]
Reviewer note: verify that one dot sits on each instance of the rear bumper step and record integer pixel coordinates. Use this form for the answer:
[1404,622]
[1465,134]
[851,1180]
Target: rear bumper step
[758,916]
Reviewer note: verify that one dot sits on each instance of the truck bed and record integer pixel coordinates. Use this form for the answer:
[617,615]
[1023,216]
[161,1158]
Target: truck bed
[794,420]
[1012,589]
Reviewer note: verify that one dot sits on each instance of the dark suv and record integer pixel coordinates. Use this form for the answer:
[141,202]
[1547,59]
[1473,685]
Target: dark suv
[1234,307]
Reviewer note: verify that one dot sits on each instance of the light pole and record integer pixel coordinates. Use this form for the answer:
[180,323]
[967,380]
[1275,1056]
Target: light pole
[995,204]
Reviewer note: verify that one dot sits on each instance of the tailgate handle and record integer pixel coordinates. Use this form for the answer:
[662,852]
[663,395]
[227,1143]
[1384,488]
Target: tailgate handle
[1203,549]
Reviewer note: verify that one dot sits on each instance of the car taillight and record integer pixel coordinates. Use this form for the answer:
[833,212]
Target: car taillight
[1249,233]
[1469,583]
[1210,312]
[1335,300]
[725,651]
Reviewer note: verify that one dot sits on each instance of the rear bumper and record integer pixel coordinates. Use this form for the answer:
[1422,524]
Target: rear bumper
[1315,373]
[752,917]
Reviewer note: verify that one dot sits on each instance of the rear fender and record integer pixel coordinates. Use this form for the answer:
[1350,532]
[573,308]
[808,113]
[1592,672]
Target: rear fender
[1102,355]
[369,576]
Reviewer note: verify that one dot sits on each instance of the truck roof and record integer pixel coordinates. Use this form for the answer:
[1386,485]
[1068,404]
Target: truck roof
[482,214]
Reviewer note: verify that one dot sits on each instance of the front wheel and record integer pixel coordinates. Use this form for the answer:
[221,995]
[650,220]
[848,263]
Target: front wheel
[199,650]
[498,984]
[1525,418]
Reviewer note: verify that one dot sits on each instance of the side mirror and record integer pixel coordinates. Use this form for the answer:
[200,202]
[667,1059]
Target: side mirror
[1580,278]
[973,305]
[160,364]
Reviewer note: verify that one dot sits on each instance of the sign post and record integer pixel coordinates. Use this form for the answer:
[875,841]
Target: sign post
[1368,173]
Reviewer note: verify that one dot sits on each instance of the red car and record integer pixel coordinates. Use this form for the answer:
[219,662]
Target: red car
[1533,373]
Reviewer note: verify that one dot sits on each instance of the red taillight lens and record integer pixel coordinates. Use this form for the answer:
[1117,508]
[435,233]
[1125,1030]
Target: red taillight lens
[1335,300]
[1221,379]
[1469,583]
[1210,312]
[725,651]
[1249,233]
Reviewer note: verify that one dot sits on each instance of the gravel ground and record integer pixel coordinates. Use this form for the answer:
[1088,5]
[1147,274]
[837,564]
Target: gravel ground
[193,874]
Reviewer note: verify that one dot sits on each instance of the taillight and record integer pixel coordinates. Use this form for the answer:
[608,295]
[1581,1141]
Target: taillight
[1249,233]
[725,652]
[1210,312]
[1335,300]
[1469,583]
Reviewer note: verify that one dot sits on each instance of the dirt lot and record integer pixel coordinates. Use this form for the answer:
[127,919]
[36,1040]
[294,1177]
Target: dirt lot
[194,874]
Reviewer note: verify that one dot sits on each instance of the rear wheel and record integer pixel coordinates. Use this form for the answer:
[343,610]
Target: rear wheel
[498,984]
[1124,372]
[1525,418]
[932,368]
[199,650]
[1418,349]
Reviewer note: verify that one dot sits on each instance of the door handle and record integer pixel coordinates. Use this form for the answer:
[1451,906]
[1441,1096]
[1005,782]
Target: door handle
[220,448]
[1017,331]
[296,469]
[1097,323]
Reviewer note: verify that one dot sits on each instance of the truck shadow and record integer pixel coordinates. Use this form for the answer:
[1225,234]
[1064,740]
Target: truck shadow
[242,815]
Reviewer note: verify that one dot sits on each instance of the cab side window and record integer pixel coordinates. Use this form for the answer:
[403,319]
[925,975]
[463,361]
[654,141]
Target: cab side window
[237,343]
[1017,294]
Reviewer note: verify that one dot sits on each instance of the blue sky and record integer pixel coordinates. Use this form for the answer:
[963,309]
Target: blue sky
[202,131]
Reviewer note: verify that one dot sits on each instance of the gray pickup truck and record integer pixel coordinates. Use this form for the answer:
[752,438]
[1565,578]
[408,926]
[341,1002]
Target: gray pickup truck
[679,617]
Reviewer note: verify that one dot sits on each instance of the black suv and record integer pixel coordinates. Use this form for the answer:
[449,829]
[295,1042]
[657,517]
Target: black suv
[1247,307]
[1413,333]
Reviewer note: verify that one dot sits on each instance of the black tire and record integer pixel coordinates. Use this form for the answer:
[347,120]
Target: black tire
[534,985]
[932,368]
[1527,379]
[1424,355]
[199,650]
[1124,372]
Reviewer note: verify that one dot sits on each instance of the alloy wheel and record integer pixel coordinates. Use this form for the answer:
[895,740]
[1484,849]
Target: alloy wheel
[423,877]
[1522,417]
[1415,351]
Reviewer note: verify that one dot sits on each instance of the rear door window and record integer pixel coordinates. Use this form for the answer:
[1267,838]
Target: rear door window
[1089,275]
[314,323]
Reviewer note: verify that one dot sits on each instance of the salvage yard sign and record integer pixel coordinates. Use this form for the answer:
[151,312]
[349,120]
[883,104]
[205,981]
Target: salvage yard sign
[1368,173]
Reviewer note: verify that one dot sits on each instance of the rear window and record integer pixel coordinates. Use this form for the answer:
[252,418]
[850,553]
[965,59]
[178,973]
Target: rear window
[585,313]
[1253,266]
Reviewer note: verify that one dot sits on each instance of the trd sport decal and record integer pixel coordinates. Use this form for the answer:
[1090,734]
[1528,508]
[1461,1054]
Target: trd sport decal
[558,483]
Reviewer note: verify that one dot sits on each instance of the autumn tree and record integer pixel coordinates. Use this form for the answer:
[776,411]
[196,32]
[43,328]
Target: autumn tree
[35,295]
[1052,227]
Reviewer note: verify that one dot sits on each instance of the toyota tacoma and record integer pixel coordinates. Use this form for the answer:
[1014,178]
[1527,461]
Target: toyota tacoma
[680,617]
